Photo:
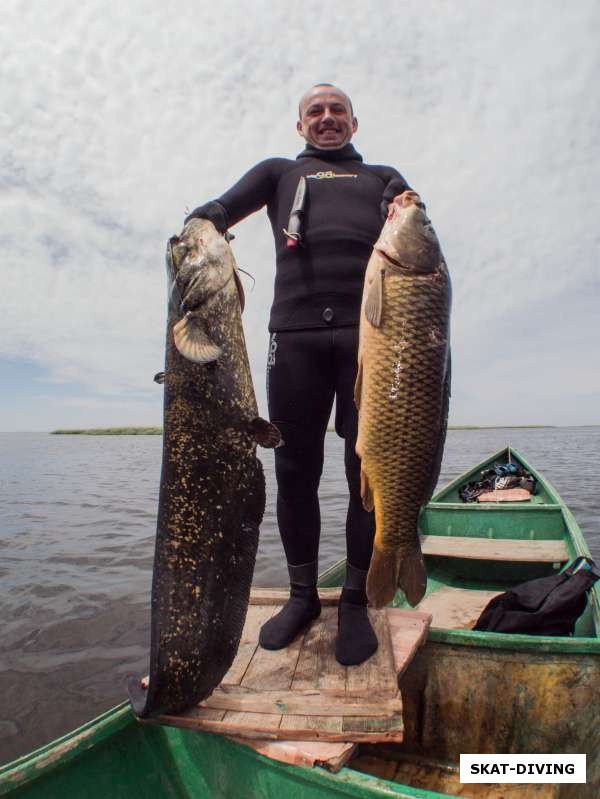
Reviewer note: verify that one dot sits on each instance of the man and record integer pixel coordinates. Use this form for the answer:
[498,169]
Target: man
[313,346]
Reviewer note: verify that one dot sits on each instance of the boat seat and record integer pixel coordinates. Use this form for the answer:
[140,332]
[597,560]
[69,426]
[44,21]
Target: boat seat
[504,549]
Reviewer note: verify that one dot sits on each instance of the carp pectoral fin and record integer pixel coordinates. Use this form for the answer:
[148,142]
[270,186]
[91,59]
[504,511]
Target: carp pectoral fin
[240,289]
[266,433]
[365,492]
[193,343]
[412,577]
[382,578]
[374,300]
[358,385]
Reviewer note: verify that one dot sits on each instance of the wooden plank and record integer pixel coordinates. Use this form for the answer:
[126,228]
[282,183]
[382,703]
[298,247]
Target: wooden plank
[511,549]
[408,631]
[331,756]
[300,703]
[255,618]
[268,670]
[278,596]
[317,666]
[243,730]
[455,608]
[376,675]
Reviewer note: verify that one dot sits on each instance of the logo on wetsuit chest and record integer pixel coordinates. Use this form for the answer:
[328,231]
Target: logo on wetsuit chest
[329,174]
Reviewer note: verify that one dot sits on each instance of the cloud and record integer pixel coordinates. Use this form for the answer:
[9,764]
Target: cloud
[112,123]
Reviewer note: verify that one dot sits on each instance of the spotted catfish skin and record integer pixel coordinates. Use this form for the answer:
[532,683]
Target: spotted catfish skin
[402,392]
[212,493]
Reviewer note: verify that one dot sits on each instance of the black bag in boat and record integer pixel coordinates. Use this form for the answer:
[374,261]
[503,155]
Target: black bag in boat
[546,606]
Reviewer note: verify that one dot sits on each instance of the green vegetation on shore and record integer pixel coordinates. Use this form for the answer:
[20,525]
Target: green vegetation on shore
[157,431]
[111,431]
[499,426]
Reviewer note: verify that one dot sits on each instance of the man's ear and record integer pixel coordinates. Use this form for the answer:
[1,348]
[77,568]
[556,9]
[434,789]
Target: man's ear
[299,128]
[354,124]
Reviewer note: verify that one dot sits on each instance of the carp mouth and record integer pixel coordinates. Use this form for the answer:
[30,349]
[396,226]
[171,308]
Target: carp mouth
[391,261]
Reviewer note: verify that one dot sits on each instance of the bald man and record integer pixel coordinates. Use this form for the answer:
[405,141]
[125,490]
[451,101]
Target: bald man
[312,356]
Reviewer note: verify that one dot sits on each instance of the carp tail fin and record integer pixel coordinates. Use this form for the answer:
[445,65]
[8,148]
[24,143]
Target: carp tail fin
[412,577]
[382,578]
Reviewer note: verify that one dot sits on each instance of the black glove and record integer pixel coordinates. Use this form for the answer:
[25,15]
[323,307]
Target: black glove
[214,212]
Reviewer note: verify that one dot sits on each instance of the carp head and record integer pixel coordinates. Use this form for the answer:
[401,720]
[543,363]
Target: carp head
[408,240]
[200,265]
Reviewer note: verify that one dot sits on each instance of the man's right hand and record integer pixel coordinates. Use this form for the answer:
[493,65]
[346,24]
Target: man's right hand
[214,212]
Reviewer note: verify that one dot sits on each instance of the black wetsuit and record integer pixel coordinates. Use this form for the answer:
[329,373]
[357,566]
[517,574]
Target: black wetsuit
[314,323]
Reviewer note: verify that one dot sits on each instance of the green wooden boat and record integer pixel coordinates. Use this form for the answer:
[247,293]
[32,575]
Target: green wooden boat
[464,692]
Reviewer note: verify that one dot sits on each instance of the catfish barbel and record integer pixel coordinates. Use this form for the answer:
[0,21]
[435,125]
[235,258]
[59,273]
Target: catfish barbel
[402,392]
[212,490]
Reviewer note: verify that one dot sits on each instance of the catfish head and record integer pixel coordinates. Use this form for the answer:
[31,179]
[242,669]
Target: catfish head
[200,265]
[408,241]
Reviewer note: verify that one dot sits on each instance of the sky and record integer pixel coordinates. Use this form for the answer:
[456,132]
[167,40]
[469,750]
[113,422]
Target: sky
[116,117]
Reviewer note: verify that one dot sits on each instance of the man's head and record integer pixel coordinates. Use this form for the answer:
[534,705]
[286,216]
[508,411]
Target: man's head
[326,120]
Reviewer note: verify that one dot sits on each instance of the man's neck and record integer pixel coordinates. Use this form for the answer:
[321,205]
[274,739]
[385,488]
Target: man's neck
[345,153]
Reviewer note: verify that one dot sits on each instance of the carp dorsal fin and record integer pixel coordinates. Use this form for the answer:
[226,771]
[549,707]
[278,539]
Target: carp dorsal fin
[365,492]
[192,342]
[374,300]
[240,289]
[265,433]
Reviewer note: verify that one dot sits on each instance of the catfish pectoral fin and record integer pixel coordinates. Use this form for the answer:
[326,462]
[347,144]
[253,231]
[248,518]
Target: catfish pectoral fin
[159,378]
[412,577]
[266,433]
[382,578]
[192,342]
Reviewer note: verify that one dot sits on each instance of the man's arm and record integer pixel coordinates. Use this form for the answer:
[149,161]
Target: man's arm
[248,195]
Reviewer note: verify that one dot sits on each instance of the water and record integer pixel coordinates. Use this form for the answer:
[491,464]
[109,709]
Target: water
[76,546]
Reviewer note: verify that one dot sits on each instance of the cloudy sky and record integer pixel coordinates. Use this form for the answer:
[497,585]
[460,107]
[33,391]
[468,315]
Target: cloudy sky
[116,116]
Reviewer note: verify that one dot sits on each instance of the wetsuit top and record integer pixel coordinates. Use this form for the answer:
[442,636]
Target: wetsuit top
[320,283]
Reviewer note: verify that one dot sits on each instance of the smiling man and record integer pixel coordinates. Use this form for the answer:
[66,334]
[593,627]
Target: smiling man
[326,209]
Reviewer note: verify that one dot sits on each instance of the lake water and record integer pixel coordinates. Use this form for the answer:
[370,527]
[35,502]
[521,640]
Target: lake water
[76,547]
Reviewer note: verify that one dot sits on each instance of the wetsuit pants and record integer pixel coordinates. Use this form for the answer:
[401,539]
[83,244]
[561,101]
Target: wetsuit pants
[306,370]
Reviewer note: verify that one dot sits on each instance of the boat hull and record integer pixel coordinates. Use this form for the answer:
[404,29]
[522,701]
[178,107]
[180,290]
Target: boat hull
[476,699]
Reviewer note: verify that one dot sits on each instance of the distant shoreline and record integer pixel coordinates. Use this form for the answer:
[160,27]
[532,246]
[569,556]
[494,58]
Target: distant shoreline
[157,431]
[111,431]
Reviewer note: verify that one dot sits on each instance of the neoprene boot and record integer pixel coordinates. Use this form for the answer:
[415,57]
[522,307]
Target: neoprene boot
[299,611]
[356,640]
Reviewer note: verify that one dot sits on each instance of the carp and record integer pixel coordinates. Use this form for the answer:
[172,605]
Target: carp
[212,489]
[402,392]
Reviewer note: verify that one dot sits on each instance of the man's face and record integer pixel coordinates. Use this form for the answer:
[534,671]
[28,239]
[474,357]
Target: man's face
[326,119]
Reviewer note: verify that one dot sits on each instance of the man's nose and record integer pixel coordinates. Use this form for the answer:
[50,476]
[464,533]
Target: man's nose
[327,115]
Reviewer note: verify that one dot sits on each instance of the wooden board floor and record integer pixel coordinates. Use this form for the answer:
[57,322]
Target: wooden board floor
[302,693]
[455,608]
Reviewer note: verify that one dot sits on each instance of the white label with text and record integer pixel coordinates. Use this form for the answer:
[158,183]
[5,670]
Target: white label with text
[522,768]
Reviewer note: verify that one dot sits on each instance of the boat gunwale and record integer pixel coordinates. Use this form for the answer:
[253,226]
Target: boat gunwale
[55,754]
